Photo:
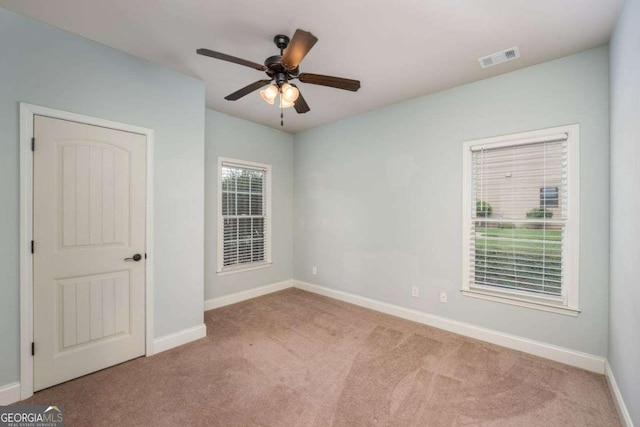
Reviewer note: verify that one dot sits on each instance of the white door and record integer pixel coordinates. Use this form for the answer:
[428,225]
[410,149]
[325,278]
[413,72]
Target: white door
[88,217]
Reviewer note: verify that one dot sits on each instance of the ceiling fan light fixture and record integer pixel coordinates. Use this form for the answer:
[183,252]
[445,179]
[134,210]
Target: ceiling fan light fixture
[269,94]
[289,93]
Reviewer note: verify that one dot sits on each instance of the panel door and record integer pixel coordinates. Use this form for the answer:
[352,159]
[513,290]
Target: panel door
[89,206]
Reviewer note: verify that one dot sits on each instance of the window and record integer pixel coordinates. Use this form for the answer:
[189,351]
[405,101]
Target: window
[244,215]
[549,197]
[521,219]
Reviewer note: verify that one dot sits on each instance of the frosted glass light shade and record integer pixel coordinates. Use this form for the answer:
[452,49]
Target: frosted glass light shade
[285,104]
[269,94]
[289,93]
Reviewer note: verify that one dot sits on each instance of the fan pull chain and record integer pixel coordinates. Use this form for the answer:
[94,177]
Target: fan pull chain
[281,110]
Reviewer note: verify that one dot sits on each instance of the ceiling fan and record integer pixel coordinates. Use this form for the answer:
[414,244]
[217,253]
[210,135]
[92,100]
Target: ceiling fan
[283,68]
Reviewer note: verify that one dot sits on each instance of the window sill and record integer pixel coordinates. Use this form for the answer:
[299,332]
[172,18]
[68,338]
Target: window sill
[521,302]
[242,269]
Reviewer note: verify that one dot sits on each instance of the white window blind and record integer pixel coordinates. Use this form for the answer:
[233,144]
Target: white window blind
[244,221]
[517,237]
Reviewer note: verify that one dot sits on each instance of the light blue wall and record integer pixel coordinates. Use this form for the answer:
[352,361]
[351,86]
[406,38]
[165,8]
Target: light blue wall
[624,327]
[228,136]
[46,66]
[378,197]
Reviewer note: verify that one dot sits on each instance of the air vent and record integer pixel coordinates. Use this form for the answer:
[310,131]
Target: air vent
[499,57]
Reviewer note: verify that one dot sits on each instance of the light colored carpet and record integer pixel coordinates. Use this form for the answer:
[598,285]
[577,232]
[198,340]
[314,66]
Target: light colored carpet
[293,358]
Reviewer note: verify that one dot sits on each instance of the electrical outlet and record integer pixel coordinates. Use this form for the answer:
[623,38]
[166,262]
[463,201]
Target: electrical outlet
[415,292]
[443,297]
[314,270]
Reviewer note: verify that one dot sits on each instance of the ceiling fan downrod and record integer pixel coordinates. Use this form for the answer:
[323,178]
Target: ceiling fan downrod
[281,42]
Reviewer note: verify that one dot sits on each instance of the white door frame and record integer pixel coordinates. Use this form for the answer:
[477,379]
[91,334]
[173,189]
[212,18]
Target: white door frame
[27,113]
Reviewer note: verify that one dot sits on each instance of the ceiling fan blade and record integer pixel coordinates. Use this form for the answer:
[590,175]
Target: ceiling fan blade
[229,58]
[337,82]
[299,46]
[247,90]
[300,105]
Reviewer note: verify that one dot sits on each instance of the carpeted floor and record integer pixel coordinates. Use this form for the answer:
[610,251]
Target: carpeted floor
[293,358]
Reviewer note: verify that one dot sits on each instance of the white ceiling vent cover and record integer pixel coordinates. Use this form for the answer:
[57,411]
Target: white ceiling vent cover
[499,57]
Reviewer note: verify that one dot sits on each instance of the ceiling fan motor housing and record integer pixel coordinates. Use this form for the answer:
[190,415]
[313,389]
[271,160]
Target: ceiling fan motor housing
[277,71]
[274,64]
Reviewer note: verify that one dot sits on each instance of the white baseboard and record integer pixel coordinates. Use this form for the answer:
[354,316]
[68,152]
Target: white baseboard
[9,394]
[210,304]
[623,412]
[559,354]
[179,338]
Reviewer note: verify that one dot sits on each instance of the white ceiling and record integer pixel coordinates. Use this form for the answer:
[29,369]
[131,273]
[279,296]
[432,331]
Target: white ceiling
[398,49]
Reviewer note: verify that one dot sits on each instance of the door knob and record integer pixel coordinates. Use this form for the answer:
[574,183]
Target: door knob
[136,257]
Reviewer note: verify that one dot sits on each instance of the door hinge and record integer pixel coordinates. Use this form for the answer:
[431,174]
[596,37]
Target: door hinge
[33,144]
[33,247]
[33,349]
[145,255]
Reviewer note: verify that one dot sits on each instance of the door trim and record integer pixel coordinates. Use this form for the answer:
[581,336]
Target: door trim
[27,113]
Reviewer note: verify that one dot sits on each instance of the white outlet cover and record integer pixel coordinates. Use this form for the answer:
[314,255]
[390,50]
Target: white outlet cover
[443,297]
[314,270]
[415,291]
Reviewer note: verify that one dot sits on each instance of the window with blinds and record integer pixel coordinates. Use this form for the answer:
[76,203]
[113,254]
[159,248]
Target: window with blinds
[243,223]
[517,224]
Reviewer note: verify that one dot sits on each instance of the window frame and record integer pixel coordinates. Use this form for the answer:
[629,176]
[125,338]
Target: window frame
[568,302]
[221,269]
